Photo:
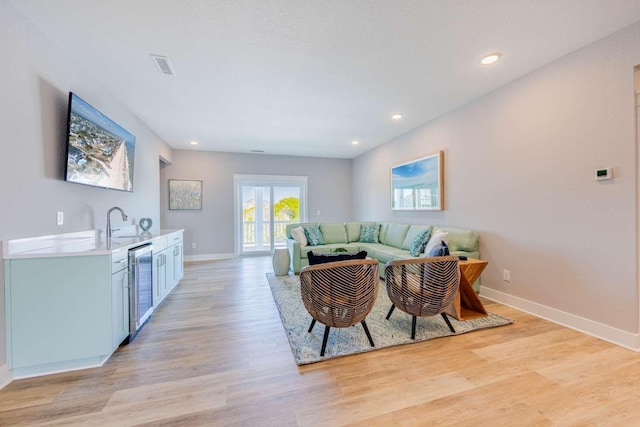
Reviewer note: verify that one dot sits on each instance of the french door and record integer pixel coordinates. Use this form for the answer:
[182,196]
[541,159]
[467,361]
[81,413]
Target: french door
[265,204]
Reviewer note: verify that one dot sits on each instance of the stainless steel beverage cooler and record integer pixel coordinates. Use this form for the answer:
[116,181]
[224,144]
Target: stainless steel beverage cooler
[140,287]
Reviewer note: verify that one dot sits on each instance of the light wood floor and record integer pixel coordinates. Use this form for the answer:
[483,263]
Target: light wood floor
[215,353]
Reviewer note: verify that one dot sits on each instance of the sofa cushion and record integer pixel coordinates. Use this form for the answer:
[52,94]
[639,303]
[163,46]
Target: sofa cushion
[395,235]
[371,248]
[414,231]
[390,253]
[314,235]
[384,256]
[333,233]
[324,258]
[460,239]
[299,236]
[368,233]
[419,243]
[382,234]
[353,230]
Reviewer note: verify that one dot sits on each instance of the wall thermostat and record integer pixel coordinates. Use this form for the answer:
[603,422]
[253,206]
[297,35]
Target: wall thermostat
[602,174]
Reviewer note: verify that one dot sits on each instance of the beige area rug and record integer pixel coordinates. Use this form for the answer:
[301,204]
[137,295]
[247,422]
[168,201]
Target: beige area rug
[344,341]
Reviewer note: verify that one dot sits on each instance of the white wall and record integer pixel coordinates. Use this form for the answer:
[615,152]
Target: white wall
[329,191]
[36,78]
[519,169]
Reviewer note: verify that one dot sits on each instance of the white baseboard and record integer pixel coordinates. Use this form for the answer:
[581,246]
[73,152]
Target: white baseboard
[590,327]
[5,376]
[209,257]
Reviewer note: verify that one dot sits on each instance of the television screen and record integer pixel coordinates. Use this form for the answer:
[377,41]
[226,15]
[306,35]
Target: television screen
[99,151]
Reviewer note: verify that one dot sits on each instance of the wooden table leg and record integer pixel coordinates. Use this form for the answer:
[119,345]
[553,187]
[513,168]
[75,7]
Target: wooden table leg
[466,305]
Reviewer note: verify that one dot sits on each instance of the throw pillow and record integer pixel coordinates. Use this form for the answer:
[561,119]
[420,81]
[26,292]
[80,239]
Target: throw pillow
[368,233]
[322,258]
[439,250]
[299,236]
[419,243]
[314,235]
[436,237]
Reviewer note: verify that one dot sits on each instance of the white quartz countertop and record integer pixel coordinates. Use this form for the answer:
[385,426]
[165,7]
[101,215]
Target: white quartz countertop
[83,243]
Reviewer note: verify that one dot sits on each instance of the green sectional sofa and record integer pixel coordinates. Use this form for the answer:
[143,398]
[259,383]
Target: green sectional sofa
[394,242]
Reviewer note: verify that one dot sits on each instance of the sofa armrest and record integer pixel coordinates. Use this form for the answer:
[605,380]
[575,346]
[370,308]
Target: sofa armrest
[294,254]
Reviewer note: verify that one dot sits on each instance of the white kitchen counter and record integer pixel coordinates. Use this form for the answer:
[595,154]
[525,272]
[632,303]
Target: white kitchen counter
[82,243]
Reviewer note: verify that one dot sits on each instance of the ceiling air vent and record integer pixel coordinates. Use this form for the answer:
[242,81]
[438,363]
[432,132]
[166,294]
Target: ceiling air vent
[163,64]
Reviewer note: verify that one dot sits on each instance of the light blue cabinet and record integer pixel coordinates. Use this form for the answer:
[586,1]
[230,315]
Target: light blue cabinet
[59,313]
[119,301]
[168,265]
[175,266]
[178,263]
[159,277]
[69,309]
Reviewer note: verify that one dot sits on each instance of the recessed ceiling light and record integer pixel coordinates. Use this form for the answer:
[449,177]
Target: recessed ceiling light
[491,58]
[194,143]
[396,116]
[354,142]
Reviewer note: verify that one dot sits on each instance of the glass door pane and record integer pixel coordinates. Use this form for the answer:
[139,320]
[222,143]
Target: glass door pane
[286,210]
[264,224]
[256,218]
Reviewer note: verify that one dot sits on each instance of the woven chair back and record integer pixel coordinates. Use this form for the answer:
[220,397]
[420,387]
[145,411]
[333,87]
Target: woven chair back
[340,294]
[423,287]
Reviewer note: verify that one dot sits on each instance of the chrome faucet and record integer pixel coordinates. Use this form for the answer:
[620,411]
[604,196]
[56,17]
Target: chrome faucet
[109,229]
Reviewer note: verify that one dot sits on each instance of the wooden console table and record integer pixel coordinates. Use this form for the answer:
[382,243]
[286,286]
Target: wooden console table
[466,305]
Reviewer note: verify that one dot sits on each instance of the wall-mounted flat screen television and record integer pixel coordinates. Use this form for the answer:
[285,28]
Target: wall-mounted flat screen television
[99,151]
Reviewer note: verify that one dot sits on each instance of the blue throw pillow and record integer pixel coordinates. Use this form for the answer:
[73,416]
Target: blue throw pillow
[314,235]
[369,233]
[439,250]
[419,243]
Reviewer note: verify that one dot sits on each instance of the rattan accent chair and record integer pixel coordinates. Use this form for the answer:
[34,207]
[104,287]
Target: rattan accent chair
[340,294]
[422,287]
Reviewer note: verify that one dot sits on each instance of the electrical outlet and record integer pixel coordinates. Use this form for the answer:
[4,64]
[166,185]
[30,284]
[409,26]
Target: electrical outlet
[193,245]
[60,218]
[506,275]
[318,212]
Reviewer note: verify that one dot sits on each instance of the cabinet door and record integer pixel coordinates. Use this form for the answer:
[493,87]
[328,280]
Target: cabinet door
[157,284]
[119,306]
[58,312]
[178,270]
[170,281]
[163,276]
[159,278]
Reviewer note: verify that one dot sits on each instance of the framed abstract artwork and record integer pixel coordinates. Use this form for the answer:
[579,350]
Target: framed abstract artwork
[185,194]
[418,184]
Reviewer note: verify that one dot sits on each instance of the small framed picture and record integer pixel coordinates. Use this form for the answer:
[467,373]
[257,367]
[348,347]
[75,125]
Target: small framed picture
[185,194]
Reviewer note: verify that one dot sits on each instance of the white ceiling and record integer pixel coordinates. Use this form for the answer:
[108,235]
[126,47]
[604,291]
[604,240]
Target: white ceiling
[306,77]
